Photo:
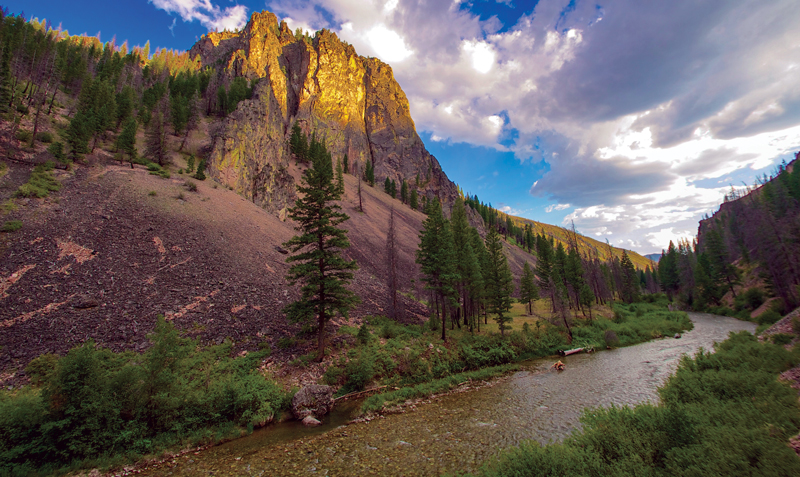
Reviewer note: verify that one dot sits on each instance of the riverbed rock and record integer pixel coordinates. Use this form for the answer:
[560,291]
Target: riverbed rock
[314,400]
[677,335]
[310,421]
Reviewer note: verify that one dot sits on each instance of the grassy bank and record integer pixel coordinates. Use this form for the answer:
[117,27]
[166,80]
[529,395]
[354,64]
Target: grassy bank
[96,408]
[414,359]
[721,413]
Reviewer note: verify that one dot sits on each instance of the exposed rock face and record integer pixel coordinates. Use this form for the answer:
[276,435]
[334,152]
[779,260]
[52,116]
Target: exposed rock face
[353,103]
[313,400]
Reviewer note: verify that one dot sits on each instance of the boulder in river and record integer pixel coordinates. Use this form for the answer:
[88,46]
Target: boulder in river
[314,400]
[310,421]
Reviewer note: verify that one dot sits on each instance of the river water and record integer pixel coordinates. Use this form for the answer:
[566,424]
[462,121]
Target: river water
[458,432]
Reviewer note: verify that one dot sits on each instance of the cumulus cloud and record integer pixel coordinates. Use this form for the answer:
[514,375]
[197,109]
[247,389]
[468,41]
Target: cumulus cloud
[208,14]
[630,104]
[553,207]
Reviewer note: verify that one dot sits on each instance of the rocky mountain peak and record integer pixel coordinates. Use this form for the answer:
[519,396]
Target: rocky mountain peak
[351,102]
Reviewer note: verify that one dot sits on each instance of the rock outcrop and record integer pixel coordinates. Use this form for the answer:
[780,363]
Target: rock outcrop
[351,102]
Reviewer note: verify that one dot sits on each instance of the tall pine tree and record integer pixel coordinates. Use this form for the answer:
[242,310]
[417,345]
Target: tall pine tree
[317,260]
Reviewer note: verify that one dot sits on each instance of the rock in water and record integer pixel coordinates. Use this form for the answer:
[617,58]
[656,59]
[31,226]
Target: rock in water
[313,400]
[309,421]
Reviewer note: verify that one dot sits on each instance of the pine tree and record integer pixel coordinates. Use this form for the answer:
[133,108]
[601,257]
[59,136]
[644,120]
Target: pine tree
[403,192]
[156,139]
[668,271]
[387,186]
[529,292]
[630,288]
[393,189]
[544,257]
[413,200]
[346,164]
[317,260]
[339,179]
[499,282]
[126,141]
[369,173]
[436,258]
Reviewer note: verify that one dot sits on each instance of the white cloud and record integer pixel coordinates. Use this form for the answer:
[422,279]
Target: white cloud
[551,208]
[208,14]
[631,113]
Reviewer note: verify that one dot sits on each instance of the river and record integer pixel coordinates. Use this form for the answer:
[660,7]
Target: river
[458,432]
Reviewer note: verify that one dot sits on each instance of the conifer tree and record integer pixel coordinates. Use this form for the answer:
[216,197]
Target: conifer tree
[436,258]
[339,179]
[387,186]
[126,141]
[413,200]
[499,282]
[346,164]
[544,257]
[393,189]
[403,192]
[529,292]
[668,271]
[156,139]
[630,288]
[317,260]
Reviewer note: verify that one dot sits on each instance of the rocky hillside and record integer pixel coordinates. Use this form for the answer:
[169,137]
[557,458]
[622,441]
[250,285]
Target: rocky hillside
[352,102]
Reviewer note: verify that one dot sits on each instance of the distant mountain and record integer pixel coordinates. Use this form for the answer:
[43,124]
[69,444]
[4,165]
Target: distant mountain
[653,256]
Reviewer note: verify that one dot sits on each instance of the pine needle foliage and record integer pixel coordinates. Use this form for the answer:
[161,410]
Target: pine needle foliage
[317,260]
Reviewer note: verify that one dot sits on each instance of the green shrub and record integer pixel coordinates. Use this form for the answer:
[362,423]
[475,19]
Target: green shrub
[41,182]
[22,109]
[711,420]
[11,226]
[190,186]
[782,338]
[44,136]
[358,373]
[201,168]
[23,135]
[364,336]
[796,324]
[750,299]
[611,338]
[286,342]
[769,317]
[93,403]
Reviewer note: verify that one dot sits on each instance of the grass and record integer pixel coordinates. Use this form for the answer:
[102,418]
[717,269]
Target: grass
[41,182]
[721,413]
[412,357]
[11,226]
[380,401]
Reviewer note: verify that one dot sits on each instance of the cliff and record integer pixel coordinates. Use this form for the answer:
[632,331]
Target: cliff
[351,102]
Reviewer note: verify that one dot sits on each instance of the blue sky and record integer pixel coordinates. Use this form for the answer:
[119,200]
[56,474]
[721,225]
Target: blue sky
[630,118]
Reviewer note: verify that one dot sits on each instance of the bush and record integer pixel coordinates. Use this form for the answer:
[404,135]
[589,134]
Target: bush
[769,317]
[750,299]
[23,135]
[94,403]
[782,338]
[44,136]
[286,342]
[611,338]
[41,182]
[57,150]
[364,336]
[796,325]
[190,186]
[711,420]
[11,226]
[201,168]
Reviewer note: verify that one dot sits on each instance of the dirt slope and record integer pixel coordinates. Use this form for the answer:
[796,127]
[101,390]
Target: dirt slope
[116,247]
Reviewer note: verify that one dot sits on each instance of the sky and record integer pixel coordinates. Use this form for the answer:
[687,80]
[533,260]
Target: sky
[630,118]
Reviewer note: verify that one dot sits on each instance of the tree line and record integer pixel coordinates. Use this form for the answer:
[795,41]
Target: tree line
[113,90]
